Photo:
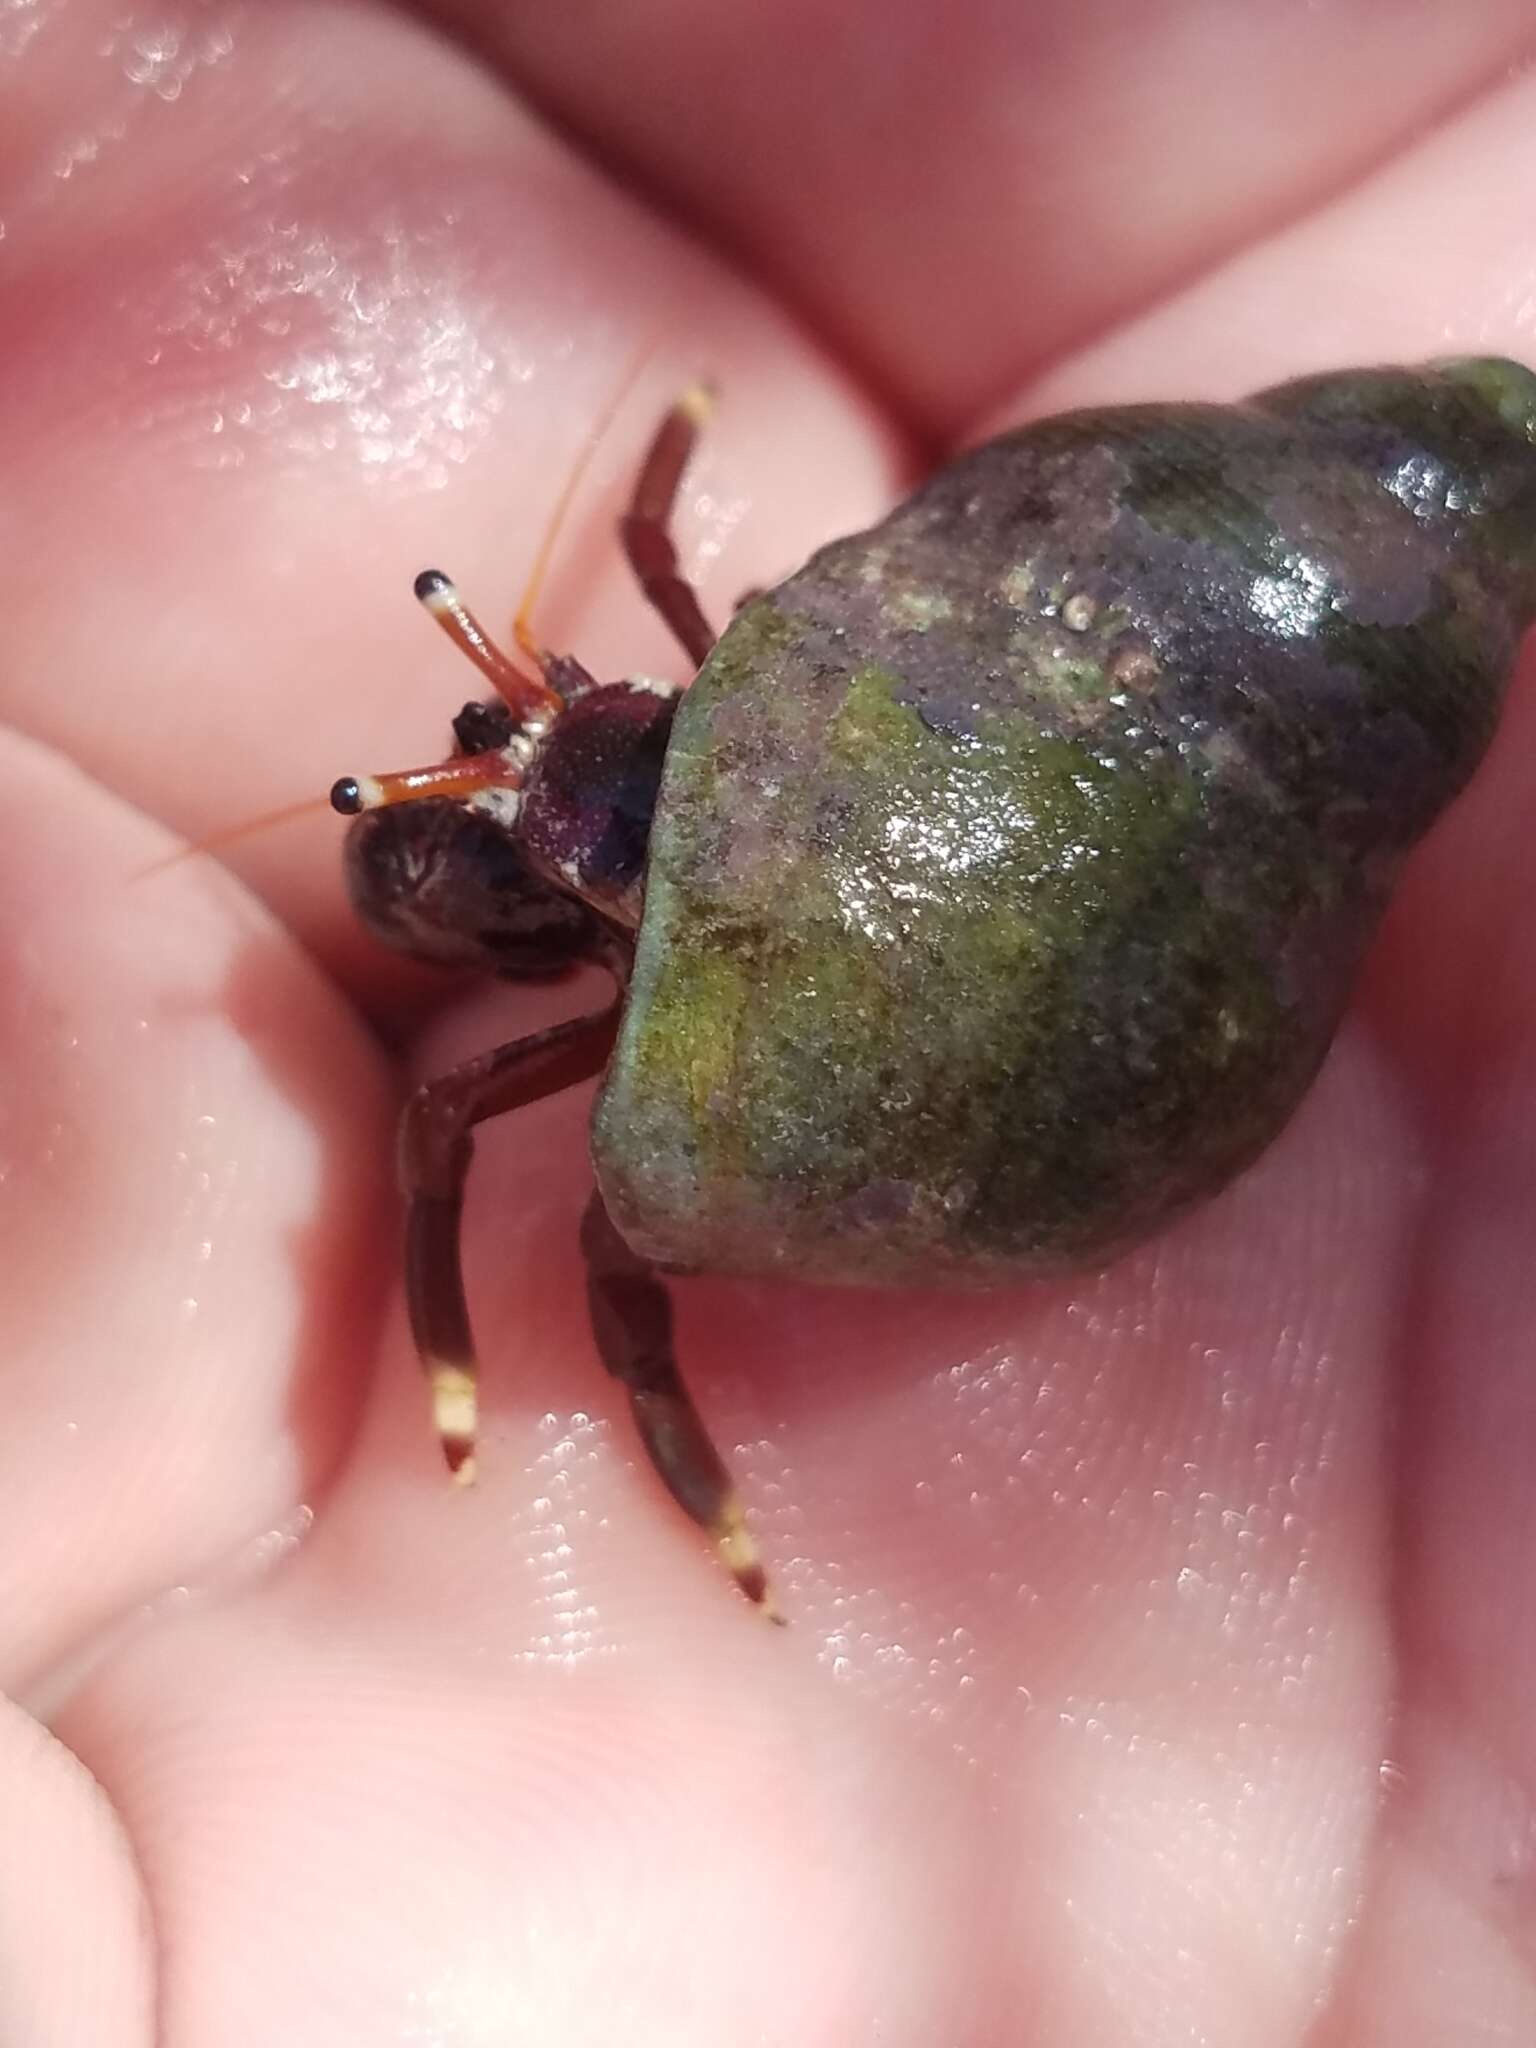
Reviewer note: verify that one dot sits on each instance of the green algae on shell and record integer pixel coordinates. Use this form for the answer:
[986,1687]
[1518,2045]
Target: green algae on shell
[1013,860]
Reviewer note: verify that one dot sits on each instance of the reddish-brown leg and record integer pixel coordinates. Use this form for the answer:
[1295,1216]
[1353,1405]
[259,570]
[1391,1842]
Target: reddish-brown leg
[632,1323]
[646,528]
[435,1150]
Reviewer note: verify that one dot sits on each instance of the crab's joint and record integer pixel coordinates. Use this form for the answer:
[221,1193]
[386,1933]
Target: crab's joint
[646,527]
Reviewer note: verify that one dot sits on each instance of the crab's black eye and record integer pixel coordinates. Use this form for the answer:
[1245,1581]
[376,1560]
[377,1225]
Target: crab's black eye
[483,727]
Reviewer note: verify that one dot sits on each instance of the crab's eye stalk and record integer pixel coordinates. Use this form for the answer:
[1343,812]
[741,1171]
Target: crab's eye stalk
[464,776]
[533,703]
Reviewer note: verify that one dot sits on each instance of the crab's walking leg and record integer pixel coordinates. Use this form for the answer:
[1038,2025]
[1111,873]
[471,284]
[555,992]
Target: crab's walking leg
[632,1323]
[435,1148]
[646,527]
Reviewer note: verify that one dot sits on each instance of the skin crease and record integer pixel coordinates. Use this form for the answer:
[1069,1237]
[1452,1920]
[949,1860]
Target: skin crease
[1161,1669]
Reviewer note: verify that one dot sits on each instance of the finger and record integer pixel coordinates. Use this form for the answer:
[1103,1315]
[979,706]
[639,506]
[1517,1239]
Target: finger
[75,1961]
[1086,1592]
[189,1201]
[1431,255]
[1424,256]
[257,378]
[958,194]
[877,1771]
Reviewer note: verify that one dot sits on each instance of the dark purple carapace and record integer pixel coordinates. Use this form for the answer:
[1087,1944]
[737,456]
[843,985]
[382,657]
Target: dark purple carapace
[590,795]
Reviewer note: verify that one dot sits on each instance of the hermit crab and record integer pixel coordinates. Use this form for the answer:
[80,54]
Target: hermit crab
[993,893]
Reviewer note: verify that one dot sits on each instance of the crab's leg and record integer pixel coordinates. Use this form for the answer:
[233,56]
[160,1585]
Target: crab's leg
[632,1324]
[435,1148]
[646,527]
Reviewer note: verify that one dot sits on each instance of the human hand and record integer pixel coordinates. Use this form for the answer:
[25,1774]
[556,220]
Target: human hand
[1159,1670]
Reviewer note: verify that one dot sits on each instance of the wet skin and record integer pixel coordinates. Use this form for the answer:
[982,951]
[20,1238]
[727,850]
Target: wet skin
[1161,1667]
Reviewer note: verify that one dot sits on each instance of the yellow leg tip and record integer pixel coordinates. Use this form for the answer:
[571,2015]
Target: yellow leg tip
[697,404]
[455,1417]
[742,1561]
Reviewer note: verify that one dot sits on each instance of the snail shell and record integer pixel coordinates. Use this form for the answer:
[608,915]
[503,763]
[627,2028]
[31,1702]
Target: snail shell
[1014,858]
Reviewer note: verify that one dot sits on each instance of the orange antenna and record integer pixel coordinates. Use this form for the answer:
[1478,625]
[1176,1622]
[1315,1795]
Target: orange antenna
[215,842]
[522,625]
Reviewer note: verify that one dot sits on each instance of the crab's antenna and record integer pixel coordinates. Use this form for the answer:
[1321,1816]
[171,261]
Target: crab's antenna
[534,700]
[228,835]
[522,625]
